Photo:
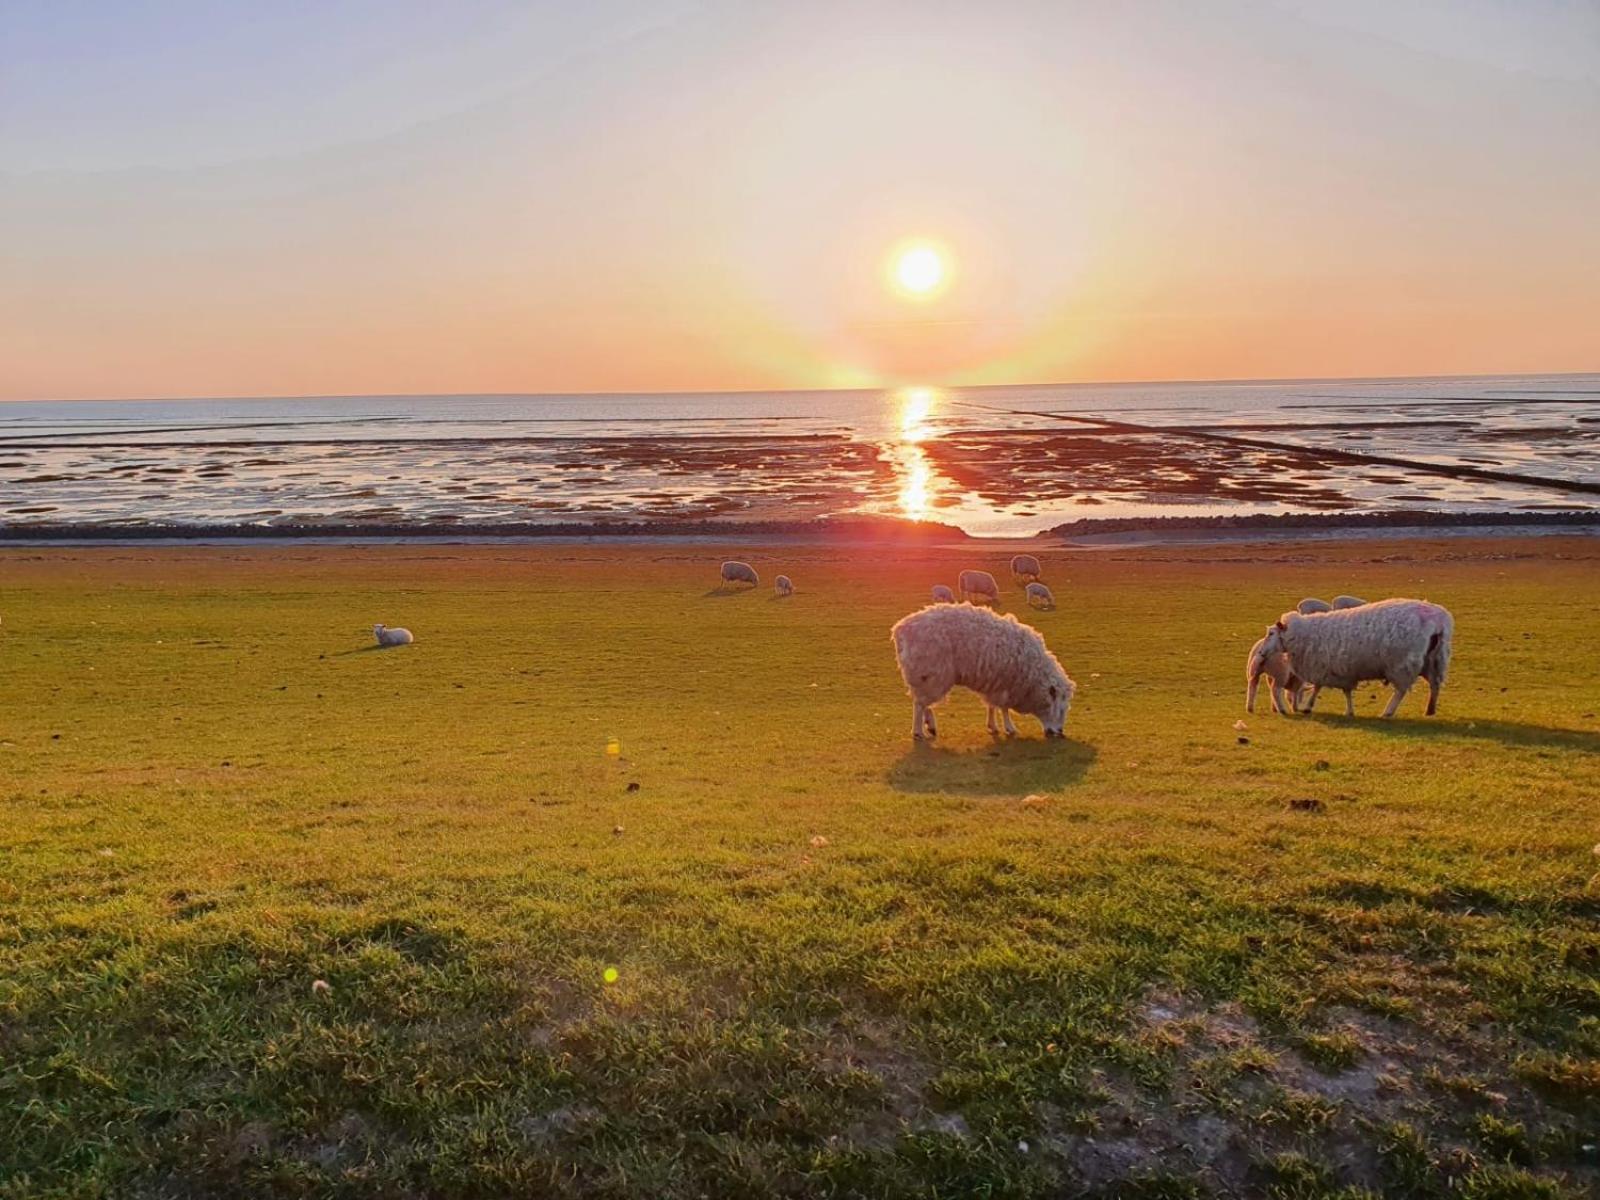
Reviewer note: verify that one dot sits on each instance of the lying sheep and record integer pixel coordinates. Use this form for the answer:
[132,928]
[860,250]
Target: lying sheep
[1274,667]
[1026,566]
[740,572]
[943,595]
[392,637]
[1312,605]
[1004,661]
[1396,641]
[1039,596]
[783,586]
[1347,602]
[978,585]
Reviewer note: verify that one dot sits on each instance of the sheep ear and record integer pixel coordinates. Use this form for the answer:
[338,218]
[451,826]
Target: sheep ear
[1052,691]
[1279,626]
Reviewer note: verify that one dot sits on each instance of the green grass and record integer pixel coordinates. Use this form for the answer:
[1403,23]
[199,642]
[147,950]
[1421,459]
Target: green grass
[1162,978]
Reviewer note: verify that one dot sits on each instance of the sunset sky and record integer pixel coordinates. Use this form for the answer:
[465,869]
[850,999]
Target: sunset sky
[364,197]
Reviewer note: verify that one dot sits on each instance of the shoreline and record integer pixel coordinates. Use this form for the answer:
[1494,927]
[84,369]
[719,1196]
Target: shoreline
[1085,533]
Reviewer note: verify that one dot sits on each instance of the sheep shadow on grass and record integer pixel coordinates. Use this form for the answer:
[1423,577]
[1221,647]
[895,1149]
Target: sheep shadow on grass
[1013,766]
[1507,733]
[722,593]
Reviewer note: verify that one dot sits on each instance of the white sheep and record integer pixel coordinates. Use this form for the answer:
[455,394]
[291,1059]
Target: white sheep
[392,637]
[1274,667]
[943,595]
[1396,641]
[1026,566]
[1006,662]
[1347,602]
[783,586]
[740,572]
[1039,596]
[978,585]
[1312,605]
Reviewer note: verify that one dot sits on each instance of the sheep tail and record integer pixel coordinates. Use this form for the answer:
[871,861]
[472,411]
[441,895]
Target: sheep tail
[1436,662]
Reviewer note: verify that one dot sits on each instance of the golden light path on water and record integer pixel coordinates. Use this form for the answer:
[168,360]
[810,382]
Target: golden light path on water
[918,483]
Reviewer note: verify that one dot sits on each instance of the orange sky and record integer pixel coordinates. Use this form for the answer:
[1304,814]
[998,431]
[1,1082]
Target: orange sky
[702,196]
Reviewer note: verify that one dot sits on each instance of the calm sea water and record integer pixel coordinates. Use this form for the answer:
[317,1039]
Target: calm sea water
[992,460]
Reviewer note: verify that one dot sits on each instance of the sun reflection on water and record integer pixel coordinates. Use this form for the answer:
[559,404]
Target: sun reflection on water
[918,485]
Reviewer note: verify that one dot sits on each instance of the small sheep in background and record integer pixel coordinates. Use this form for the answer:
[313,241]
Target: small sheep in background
[783,585]
[1026,566]
[1312,605]
[977,585]
[740,572]
[392,637]
[1395,641]
[1275,667]
[1006,662]
[1039,596]
[1347,602]
[943,595]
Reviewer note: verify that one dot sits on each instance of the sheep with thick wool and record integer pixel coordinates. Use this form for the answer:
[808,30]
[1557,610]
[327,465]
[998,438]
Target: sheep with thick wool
[783,585]
[1006,662]
[739,572]
[1395,641]
[1260,665]
[978,585]
[1312,605]
[1347,602]
[392,637]
[1026,566]
[943,595]
[1039,595]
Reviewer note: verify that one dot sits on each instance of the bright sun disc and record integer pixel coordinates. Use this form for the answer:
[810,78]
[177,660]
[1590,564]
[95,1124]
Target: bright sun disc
[919,269]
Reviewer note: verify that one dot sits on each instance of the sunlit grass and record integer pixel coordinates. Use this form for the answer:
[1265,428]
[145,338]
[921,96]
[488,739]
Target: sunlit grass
[759,944]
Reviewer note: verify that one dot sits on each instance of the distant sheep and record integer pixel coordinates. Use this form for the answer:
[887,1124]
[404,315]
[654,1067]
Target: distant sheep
[1312,605]
[392,637]
[943,595]
[740,572]
[1396,641]
[1006,662]
[1275,667]
[978,585]
[783,586]
[1039,596]
[1347,602]
[1026,566]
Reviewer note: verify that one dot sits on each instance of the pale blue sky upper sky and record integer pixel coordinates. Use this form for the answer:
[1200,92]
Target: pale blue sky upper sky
[276,197]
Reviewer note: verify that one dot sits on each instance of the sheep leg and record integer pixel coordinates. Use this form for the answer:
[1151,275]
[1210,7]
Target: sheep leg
[1350,702]
[1011,727]
[1433,697]
[1394,701]
[1250,694]
[927,719]
[919,713]
[1277,698]
[1316,690]
[994,726]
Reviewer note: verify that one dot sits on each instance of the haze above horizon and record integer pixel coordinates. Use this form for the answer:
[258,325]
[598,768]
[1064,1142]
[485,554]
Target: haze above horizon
[382,199]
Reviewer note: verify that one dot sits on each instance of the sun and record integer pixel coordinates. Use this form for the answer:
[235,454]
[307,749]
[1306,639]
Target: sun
[918,269]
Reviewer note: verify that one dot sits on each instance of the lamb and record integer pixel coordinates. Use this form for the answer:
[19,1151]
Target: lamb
[943,595]
[1347,602]
[1004,661]
[978,585]
[1312,605]
[392,637]
[783,586]
[1039,596]
[1397,641]
[1026,566]
[1276,668]
[740,572]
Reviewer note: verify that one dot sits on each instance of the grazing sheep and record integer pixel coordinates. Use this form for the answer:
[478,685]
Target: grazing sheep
[740,572]
[943,595]
[1396,641]
[1026,566]
[392,637]
[1347,602]
[1039,596]
[978,585]
[1274,667]
[1004,661]
[783,585]
[1312,605]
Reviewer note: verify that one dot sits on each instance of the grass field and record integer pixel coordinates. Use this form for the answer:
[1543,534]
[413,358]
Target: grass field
[843,965]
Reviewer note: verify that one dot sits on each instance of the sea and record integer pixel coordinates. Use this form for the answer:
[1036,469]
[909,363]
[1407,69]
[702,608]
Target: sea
[993,461]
